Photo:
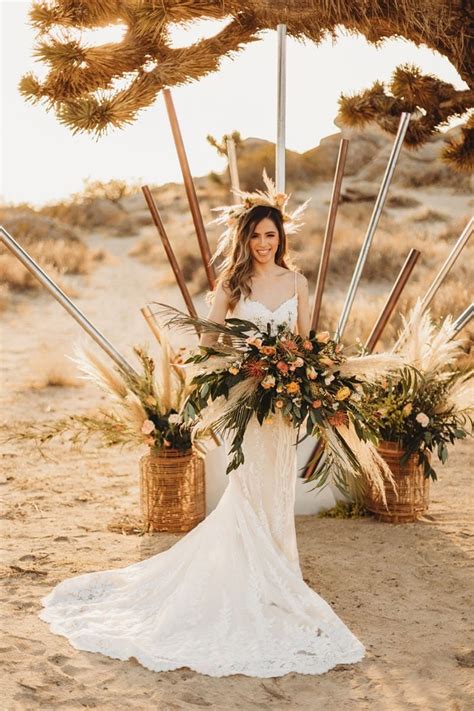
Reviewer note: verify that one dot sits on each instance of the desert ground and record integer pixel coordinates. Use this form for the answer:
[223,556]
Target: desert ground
[405,590]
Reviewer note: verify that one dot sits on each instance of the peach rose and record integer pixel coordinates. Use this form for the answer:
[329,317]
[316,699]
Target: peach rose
[322,336]
[326,361]
[282,366]
[148,427]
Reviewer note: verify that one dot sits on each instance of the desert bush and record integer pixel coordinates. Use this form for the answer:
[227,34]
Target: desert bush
[100,205]
[55,246]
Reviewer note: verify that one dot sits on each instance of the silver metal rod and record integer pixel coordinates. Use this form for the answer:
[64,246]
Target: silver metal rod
[64,300]
[374,220]
[280,178]
[233,169]
[462,320]
[443,272]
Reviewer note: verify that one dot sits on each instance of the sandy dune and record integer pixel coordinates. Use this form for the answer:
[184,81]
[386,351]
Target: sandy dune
[404,590]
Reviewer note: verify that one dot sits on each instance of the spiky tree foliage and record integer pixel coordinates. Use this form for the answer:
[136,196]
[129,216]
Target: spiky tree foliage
[221,146]
[431,101]
[82,83]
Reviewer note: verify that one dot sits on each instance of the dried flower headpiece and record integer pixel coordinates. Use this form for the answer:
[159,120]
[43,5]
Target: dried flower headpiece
[231,214]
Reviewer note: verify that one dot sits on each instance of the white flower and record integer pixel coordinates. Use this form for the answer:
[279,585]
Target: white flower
[174,418]
[148,427]
[422,419]
[329,379]
[268,382]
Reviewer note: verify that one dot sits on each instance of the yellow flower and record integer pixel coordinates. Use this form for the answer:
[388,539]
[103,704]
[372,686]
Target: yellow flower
[293,388]
[233,370]
[343,393]
[407,410]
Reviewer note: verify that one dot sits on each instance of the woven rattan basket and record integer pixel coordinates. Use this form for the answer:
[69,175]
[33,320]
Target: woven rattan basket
[172,490]
[412,488]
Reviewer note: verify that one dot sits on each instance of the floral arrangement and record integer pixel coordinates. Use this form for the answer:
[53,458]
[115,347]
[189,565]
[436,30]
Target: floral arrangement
[309,381]
[423,414]
[428,404]
[145,409]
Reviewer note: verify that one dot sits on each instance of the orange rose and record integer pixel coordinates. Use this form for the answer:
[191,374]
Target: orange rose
[293,388]
[268,350]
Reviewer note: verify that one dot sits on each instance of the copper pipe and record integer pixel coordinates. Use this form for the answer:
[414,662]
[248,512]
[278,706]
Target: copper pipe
[190,190]
[169,250]
[328,235]
[313,460]
[392,299]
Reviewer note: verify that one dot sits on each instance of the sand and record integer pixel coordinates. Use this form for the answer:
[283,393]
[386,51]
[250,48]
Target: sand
[404,590]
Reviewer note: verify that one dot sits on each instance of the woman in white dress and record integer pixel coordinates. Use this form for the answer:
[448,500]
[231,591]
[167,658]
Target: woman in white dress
[228,597]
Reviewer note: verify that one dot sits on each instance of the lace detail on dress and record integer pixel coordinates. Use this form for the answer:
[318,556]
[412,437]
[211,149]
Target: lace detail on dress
[255,311]
[228,597]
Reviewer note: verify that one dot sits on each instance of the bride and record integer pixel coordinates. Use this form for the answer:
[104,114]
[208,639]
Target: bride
[228,597]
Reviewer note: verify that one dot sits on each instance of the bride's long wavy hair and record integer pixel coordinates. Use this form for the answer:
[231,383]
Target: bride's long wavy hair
[236,270]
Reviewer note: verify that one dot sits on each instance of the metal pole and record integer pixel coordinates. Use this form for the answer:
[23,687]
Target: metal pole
[64,300]
[190,190]
[329,233]
[392,299]
[377,211]
[453,255]
[169,250]
[462,320]
[280,179]
[233,169]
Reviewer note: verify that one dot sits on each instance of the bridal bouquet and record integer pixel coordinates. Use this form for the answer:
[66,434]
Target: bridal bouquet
[310,381]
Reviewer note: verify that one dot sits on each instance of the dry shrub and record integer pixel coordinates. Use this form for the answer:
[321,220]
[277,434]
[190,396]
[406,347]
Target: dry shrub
[4,295]
[100,205]
[56,247]
[427,214]
[53,370]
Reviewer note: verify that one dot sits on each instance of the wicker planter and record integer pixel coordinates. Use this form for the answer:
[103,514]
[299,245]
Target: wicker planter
[172,490]
[412,488]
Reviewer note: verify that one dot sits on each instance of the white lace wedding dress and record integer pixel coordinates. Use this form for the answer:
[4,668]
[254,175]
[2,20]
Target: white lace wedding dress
[228,597]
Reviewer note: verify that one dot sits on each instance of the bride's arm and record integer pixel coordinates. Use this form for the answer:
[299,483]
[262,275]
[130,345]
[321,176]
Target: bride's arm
[217,312]
[304,318]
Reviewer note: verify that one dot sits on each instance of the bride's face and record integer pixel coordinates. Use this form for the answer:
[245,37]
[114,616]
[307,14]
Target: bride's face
[264,241]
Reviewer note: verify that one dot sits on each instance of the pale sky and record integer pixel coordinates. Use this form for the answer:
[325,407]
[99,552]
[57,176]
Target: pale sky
[42,161]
